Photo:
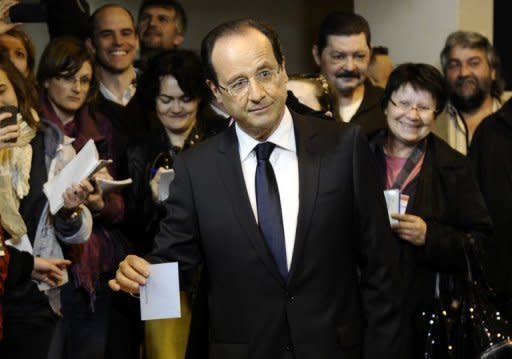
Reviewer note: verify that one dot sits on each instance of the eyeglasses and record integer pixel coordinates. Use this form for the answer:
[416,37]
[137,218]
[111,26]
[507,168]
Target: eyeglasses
[406,106]
[240,87]
[84,81]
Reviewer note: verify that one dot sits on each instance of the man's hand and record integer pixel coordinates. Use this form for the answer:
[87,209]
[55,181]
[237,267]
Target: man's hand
[49,270]
[131,274]
[410,228]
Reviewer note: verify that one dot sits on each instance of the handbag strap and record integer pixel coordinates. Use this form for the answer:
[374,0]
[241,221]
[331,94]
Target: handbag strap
[413,159]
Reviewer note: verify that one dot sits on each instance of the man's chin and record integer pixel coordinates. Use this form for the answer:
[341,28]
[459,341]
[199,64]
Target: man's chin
[467,103]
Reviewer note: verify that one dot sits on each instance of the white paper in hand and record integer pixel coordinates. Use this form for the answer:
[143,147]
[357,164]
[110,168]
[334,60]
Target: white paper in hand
[160,297]
[165,182]
[392,197]
[79,168]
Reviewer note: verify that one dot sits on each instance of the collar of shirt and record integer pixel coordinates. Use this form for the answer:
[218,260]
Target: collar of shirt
[454,114]
[283,137]
[127,95]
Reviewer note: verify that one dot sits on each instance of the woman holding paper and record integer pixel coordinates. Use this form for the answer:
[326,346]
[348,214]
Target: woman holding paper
[31,151]
[441,209]
[67,87]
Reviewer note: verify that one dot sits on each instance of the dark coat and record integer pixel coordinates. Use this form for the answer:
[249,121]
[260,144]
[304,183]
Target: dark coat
[369,115]
[339,299]
[448,200]
[491,153]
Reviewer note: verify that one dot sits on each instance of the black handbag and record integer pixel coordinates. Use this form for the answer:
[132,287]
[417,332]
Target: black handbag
[482,324]
[470,326]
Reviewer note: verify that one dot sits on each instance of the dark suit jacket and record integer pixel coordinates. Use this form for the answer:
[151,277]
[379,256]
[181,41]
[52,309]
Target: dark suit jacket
[491,151]
[339,300]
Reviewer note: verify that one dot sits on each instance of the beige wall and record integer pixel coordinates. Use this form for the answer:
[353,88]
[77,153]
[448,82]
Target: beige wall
[415,30]
[295,20]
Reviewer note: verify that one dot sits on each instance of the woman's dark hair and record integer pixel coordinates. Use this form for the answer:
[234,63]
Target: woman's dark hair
[24,90]
[421,77]
[183,65]
[64,55]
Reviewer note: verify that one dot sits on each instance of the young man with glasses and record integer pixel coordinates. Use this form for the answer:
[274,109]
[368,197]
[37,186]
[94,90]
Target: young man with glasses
[285,214]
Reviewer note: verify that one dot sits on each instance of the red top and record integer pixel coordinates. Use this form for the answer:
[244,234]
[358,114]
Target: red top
[4,262]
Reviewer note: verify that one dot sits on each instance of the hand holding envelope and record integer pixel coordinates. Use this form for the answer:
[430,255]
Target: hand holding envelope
[158,285]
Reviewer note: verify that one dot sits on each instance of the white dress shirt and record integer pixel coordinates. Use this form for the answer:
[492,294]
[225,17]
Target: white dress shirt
[286,168]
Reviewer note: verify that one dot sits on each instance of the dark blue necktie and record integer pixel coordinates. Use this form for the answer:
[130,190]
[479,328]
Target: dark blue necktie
[270,219]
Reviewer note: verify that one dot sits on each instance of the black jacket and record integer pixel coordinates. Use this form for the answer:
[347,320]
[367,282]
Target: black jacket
[339,299]
[491,153]
[448,200]
[369,115]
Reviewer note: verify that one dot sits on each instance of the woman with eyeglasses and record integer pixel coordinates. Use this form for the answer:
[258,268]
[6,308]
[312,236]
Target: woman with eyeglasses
[174,90]
[67,87]
[441,209]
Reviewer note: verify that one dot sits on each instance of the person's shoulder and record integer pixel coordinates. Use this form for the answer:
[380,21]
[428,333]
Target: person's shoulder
[210,145]
[372,91]
[327,135]
[445,155]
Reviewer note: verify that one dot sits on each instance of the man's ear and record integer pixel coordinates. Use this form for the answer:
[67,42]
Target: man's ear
[283,69]
[215,90]
[178,40]
[316,55]
[46,84]
[90,46]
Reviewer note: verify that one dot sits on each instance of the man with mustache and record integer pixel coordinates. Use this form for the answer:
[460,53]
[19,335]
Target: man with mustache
[343,54]
[473,76]
[161,26]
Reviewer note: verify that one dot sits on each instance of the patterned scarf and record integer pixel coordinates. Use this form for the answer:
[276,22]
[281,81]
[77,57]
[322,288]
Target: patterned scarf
[15,164]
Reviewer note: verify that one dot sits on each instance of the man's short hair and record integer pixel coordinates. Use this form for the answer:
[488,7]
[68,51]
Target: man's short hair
[342,24]
[474,40]
[236,27]
[422,77]
[94,15]
[181,16]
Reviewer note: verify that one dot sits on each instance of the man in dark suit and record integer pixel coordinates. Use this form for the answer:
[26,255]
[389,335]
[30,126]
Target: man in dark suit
[296,244]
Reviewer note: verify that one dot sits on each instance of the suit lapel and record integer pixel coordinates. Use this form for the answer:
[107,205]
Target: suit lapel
[230,170]
[309,165]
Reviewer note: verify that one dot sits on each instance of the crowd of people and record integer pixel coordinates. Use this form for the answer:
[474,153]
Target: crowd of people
[276,216]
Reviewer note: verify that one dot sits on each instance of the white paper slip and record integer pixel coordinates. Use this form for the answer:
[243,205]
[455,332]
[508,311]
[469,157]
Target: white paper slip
[85,163]
[112,185]
[392,197]
[160,297]
[165,182]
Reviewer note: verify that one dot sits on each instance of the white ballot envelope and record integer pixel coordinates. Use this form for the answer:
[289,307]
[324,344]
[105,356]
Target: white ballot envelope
[392,197]
[160,296]
[165,181]
[83,165]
